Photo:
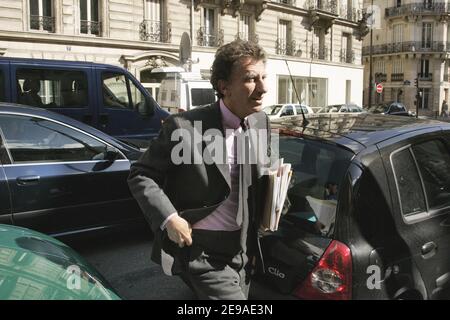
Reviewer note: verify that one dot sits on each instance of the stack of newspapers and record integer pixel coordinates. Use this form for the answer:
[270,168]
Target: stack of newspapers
[279,179]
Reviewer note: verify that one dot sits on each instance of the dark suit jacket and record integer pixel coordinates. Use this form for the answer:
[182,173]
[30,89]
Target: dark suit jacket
[193,190]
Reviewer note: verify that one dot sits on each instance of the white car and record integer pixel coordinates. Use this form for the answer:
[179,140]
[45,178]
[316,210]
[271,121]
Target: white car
[341,108]
[283,110]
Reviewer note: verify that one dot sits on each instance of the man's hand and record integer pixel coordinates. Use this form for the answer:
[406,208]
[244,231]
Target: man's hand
[179,231]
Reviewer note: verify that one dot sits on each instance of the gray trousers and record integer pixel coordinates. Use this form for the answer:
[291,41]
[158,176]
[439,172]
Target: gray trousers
[215,266]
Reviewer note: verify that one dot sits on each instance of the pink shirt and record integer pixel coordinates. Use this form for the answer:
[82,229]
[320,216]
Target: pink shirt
[224,217]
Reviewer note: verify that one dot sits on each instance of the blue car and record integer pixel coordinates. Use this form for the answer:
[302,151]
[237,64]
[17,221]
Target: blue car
[60,176]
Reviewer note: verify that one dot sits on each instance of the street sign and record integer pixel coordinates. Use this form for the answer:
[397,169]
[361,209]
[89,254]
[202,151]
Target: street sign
[379,88]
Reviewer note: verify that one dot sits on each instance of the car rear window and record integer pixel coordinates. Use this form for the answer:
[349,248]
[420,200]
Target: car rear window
[422,174]
[408,182]
[202,96]
[433,160]
[318,171]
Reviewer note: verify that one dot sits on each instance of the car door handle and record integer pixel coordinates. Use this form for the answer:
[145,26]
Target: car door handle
[27,180]
[429,250]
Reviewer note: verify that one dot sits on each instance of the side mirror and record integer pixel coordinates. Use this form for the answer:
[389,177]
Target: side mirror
[146,107]
[110,154]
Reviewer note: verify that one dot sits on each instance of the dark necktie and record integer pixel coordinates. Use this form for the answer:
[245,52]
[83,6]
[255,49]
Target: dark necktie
[243,166]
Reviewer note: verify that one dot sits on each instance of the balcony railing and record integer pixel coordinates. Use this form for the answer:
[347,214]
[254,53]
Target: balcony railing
[207,39]
[248,37]
[397,77]
[329,6]
[347,56]
[380,77]
[286,47]
[425,77]
[155,31]
[411,46]
[90,27]
[350,14]
[418,8]
[42,23]
[320,53]
[288,2]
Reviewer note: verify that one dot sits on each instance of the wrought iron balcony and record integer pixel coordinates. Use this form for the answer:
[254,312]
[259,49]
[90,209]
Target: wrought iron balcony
[42,23]
[207,38]
[397,77]
[350,14]
[329,6]
[411,46]
[320,53]
[288,2]
[90,27]
[347,56]
[418,8]
[380,77]
[249,37]
[425,77]
[285,47]
[155,31]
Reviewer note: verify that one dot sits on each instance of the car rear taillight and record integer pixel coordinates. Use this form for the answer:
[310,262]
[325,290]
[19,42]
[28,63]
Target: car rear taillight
[331,279]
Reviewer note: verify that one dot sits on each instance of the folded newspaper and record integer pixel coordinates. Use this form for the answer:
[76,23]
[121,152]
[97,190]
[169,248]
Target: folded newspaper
[279,179]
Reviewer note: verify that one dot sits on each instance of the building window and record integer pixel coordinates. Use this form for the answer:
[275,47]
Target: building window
[285,45]
[347,54]
[399,3]
[428,4]
[311,91]
[424,68]
[154,28]
[397,66]
[424,100]
[41,15]
[89,17]
[245,28]
[397,37]
[427,35]
[209,35]
[153,10]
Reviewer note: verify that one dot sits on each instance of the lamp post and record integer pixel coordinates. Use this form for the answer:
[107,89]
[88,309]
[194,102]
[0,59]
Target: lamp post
[370,58]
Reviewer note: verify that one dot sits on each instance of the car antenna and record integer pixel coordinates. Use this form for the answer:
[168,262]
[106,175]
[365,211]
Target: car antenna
[305,122]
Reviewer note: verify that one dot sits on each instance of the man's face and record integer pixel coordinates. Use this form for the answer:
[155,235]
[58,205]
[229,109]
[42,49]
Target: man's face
[244,91]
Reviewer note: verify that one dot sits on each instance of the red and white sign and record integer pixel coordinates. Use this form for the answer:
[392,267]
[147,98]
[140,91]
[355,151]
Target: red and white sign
[379,88]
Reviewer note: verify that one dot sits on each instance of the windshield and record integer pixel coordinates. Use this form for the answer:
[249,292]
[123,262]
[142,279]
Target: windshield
[379,108]
[318,171]
[272,110]
[202,96]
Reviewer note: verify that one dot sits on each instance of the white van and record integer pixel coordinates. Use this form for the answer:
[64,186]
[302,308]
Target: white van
[182,91]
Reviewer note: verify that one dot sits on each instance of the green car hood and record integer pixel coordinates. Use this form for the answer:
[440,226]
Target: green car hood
[34,266]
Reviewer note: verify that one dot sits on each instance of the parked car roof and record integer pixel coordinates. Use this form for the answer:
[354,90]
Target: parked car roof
[34,266]
[41,112]
[340,107]
[354,131]
[39,62]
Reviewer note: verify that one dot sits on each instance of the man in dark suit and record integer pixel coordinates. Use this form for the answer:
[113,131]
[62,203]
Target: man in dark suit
[205,214]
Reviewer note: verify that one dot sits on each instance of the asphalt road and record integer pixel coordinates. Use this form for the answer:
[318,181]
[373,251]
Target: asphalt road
[123,258]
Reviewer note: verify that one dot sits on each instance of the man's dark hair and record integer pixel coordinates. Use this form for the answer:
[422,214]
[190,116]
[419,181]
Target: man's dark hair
[227,56]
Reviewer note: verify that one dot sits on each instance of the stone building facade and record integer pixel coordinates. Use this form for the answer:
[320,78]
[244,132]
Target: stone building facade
[319,40]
